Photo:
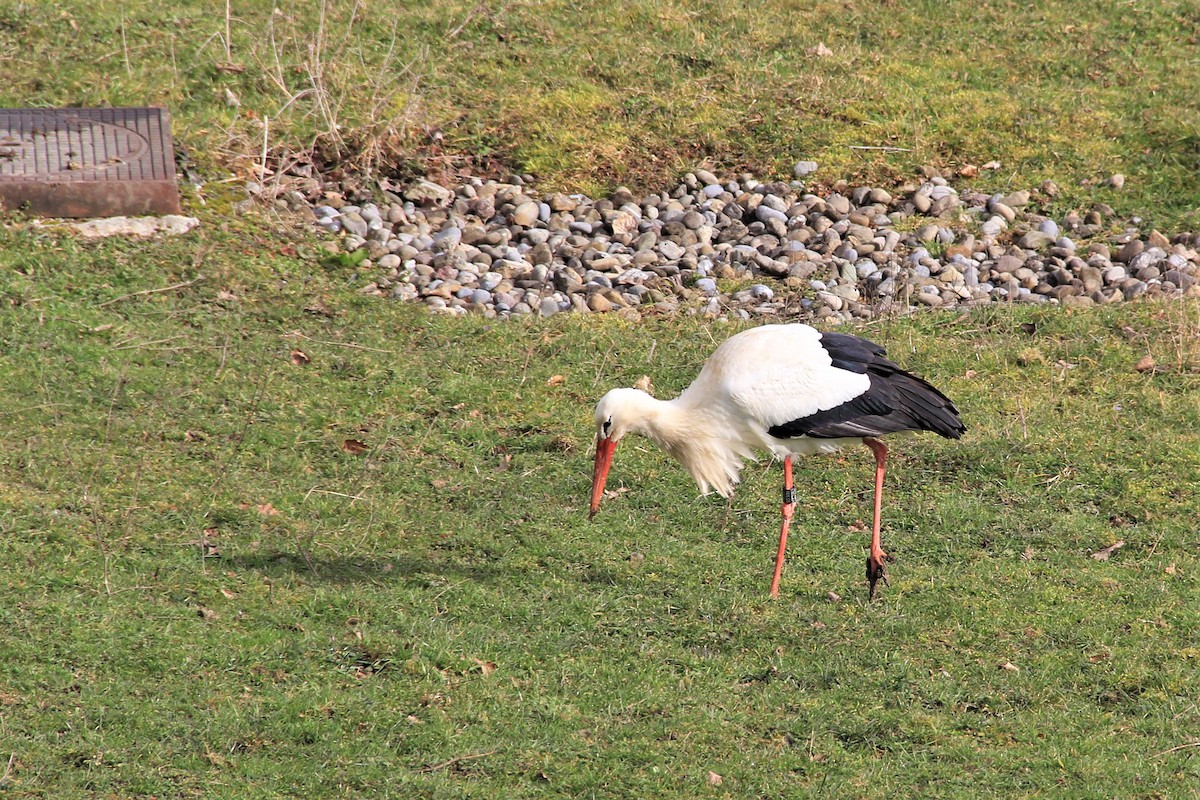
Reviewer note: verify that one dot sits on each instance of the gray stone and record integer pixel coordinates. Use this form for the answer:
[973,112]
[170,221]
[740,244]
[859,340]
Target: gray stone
[764,213]
[1115,274]
[1035,240]
[839,204]
[449,237]
[1018,199]
[353,222]
[525,214]
[670,250]
[428,193]
[1001,209]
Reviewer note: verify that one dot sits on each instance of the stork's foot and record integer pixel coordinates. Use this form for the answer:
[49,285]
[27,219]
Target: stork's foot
[877,571]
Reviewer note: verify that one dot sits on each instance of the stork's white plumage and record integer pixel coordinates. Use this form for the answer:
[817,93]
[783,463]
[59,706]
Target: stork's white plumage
[786,389]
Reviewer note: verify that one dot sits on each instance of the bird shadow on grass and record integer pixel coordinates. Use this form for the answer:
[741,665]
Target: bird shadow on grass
[347,570]
[412,569]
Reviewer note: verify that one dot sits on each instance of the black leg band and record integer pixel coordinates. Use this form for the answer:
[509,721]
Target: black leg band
[789,496]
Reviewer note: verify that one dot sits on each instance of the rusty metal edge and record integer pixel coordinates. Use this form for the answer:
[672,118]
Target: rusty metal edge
[102,199]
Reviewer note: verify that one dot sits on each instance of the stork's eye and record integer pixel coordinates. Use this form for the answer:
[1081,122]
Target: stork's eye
[607,425]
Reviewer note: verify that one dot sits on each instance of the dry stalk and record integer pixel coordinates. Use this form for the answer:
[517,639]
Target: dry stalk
[185,284]
[228,33]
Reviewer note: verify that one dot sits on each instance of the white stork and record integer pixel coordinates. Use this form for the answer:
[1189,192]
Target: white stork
[787,389]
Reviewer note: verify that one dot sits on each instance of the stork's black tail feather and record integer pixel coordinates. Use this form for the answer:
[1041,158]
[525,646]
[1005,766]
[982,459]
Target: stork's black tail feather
[896,401]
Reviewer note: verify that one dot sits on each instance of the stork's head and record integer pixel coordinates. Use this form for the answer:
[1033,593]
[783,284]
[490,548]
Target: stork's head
[619,412]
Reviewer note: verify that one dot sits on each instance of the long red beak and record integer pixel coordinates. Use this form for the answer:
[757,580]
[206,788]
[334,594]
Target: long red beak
[604,455]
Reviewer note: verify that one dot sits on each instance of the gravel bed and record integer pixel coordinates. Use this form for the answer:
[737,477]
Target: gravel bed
[741,248]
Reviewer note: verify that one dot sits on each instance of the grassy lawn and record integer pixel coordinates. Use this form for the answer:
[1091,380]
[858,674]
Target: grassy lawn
[588,97]
[262,536]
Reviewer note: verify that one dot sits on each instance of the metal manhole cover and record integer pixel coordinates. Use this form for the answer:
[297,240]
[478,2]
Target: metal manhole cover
[87,162]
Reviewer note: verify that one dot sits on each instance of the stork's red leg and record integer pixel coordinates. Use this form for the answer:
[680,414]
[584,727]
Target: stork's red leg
[789,503]
[876,568]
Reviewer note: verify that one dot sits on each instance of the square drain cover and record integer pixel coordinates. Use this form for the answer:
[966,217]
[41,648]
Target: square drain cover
[87,162]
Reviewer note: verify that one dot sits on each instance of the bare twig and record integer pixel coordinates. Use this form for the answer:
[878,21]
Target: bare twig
[452,34]
[125,45]
[351,345]
[140,345]
[183,285]
[262,167]
[1176,749]
[206,43]
[315,490]
[228,34]
[38,407]
[12,759]
[112,403]
[455,760]
[224,353]
[875,147]
[125,51]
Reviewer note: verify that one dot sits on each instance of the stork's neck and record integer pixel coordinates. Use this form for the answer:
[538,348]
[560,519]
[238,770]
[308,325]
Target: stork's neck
[695,436]
[668,422]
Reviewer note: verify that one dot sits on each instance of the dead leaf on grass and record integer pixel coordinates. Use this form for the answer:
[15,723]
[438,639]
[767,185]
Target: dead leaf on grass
[556,380]
[1145,364]
[208,544]
[1008,666]
[820,51]
[354,446]
[485,667]
[714,779]
[1103,555]
[318,308]
[300,358]
[267,510]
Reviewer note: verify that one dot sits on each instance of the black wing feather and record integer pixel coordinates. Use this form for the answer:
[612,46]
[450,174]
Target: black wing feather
[896,401]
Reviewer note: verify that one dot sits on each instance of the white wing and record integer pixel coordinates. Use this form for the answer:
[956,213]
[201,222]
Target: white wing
[773,375]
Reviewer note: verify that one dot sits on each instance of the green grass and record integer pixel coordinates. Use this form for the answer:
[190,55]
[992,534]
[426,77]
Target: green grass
[638,92]
[263,536]
[436,616]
